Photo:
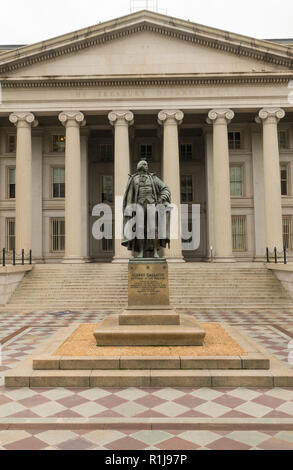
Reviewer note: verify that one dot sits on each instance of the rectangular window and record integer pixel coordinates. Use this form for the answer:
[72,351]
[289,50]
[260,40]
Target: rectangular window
[11,183]
[186,188]
[58,235]
[146,152]
[11,143]
[106,153]
[58,182]
[186,151]
[236,180]
[239,232]
[282,139]
[284,179]
[107,189]
[58,143]
[287,232]
[234,140]
[10,234]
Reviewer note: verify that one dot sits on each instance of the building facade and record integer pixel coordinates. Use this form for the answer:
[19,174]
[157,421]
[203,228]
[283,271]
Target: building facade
[211,112]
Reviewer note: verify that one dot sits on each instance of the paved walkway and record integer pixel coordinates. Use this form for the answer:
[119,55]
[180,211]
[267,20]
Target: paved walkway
[170,418]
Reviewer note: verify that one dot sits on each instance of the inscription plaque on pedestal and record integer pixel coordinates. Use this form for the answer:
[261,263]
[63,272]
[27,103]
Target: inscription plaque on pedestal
[148,283]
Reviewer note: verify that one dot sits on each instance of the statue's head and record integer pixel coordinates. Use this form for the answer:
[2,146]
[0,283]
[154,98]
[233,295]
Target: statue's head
[142,165]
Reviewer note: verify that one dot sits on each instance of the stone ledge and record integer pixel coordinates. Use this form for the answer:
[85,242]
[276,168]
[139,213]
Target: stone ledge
[250,362]
[26,377]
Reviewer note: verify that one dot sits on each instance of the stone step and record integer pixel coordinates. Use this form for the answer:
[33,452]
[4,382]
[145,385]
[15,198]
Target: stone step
[149,378]
[251,362]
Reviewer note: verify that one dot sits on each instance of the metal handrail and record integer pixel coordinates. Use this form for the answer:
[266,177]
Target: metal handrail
[15,257]
[277,255]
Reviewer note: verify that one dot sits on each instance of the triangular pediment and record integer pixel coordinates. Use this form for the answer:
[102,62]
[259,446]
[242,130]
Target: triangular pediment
[146,44]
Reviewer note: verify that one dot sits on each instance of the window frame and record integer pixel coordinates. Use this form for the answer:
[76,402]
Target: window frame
[234,148]
[288,217]
[242,166]
[287,165]
[192,188]
[11,152]
[52,220]
[285,132]
[8,235]
[244,235]
[113,188]
[109,144]
[146,144]
[58,152]
[8,168]
[56,167]
[185,143]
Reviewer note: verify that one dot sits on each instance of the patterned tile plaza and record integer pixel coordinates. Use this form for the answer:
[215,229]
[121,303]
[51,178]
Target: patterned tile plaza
[273,329]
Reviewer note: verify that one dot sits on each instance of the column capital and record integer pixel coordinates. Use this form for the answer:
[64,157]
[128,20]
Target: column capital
[170,116]
[25,119]
[121,118]
[72,118]
[273,115]
[215,114]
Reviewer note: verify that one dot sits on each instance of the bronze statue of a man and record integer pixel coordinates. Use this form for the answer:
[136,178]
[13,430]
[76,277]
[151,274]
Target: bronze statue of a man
[146,189]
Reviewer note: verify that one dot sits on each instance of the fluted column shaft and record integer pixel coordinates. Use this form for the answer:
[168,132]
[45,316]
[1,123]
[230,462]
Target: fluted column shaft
[220,118]
[170,120]
[270,118]
[121,120]
[73,202]
[23,180]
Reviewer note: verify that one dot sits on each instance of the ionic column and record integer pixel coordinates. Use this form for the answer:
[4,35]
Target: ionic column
[170,120]
[121,120]
[72,120]
[220,118]
[23,180]
[270,118]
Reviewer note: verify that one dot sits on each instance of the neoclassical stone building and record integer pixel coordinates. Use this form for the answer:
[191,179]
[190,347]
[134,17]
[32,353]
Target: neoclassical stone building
[210,111]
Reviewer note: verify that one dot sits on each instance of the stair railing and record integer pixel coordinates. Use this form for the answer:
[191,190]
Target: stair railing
[277,256]
[11,257]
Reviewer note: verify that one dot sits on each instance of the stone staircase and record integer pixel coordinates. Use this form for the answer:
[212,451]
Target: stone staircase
[193,287]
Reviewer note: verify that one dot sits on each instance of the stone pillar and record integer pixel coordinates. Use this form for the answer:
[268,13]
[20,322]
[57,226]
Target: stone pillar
[23,180]
[84,136]
[72,120]
[121,120]
[270,118]
[258,193]
[209,191]
[220,118]
[170,119]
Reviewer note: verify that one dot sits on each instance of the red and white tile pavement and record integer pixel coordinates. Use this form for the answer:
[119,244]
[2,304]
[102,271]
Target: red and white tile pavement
[68,418]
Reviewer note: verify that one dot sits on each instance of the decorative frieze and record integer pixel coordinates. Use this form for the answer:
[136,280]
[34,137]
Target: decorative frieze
[146,82]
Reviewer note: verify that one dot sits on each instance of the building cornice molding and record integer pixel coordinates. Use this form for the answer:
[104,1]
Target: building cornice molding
[72,82]
[262,51]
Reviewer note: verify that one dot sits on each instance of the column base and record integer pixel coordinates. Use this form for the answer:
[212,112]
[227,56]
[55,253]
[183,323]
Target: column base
[120,260]
[38,260]
[75,260]
[175,260]
[260,259]
[224,260]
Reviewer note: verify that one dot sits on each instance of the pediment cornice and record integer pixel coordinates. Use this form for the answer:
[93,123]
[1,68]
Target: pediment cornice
[279,55]
[147,81]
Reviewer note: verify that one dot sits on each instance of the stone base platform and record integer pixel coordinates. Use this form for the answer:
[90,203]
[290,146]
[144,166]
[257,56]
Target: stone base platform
[256,368]
[129,329]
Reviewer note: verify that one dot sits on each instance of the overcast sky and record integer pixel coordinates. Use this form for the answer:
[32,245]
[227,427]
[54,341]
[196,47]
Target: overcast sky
[29,21]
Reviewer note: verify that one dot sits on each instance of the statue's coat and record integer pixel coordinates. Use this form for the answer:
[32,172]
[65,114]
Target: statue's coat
[161,192]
